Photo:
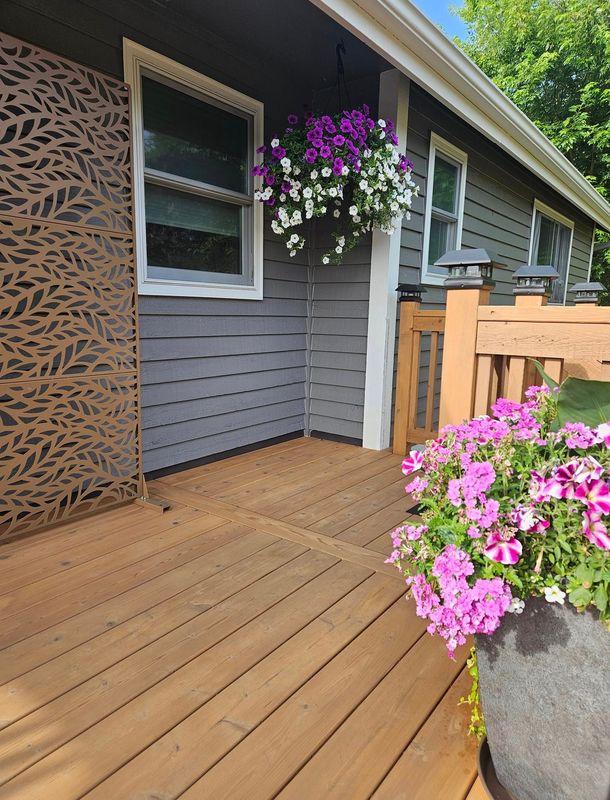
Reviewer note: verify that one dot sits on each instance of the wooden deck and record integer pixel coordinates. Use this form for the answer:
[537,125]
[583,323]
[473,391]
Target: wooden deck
[248,643]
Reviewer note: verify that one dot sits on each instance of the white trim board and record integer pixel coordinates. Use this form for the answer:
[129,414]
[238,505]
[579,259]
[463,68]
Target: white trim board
[135,59]
[406,38]
[459,156]
[385,264]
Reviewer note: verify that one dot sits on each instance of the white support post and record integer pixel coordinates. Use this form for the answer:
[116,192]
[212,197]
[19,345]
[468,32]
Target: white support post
[385,258]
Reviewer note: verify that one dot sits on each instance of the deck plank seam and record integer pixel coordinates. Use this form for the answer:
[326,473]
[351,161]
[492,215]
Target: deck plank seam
[313,539]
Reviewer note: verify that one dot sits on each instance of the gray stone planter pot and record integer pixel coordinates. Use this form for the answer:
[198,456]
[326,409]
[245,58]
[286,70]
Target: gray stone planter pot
[545,690]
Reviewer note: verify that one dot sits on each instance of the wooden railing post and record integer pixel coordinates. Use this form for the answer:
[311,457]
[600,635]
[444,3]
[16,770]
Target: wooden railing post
[459,353]
[406,375]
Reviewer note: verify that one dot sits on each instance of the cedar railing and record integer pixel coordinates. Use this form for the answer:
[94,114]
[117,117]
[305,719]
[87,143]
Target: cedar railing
[487,354]
[407,410]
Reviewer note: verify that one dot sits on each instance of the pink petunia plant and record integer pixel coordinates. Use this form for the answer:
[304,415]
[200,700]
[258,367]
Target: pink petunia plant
[513,505]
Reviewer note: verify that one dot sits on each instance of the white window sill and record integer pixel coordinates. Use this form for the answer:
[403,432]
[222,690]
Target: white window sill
[178,289]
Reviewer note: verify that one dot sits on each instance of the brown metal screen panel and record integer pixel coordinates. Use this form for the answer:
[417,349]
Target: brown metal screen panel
[69,395]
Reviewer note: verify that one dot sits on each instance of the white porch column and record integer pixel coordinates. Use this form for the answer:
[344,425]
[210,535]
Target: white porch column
[385,257]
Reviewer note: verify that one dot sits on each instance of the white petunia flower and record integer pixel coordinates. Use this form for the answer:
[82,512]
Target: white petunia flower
[553,594]
[326,172]
[325,259]
[294,238]
[314,174]
[380,122]
[353,210]
[338,249]
[307,192]
[293,253]
[516,606]
[336,213]
[275,143]
[332,191]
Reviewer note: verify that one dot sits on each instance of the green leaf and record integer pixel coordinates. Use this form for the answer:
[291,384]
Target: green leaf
[580,597]
[550,382]
[584,401]
[600,598]
[584,574]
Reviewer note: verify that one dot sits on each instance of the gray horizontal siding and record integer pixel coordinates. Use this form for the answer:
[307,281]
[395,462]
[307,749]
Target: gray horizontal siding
[497,210]
[232,375]
[338,325]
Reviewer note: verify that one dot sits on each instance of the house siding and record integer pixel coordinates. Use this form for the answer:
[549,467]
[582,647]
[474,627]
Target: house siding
[339,320]
[498,208]
[215,374]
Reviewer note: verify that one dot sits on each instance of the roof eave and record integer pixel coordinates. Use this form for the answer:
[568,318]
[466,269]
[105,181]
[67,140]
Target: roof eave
[413,44]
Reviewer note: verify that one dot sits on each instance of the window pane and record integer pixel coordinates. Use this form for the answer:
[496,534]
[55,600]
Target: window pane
[185,231]
[546,240]
[194,139]
[440,236]
[552,243]
[444,193]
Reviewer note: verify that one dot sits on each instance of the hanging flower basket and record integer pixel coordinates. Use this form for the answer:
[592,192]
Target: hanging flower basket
[347,166]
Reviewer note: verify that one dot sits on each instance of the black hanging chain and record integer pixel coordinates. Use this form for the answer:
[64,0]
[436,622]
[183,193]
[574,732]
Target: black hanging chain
[340,51]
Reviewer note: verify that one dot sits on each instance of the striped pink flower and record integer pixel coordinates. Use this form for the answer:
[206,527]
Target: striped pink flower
[413,462]
[595,494]
[501,550]
[595,531]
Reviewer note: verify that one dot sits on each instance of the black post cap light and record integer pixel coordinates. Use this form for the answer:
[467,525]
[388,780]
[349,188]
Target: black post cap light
[587,292]
[470,268]
[534,279]
[409,293]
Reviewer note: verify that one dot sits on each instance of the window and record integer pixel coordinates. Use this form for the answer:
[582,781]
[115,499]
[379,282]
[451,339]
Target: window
[198,230]
[445,191]
[551,243]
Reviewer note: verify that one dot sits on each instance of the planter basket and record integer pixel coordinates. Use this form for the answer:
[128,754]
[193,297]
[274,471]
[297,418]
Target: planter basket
[545,691]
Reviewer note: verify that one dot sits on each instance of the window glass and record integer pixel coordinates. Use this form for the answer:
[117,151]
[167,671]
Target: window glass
[552,246]
[189,232]
[439,242]
[189,137]
[444,192]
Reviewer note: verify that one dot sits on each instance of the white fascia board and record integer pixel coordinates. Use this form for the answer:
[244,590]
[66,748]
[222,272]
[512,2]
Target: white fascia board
[404,36]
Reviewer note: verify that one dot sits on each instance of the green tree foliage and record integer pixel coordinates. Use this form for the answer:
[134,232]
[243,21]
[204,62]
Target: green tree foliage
[552,58]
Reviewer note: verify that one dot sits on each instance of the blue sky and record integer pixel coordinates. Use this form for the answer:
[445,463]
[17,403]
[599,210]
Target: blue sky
[438,12]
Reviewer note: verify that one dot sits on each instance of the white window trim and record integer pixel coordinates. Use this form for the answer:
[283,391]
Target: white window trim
[135,59]
[453,152]
[542,208]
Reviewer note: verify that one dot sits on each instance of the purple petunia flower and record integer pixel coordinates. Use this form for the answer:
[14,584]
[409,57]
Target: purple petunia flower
[278,152]
[325,151]
[338,166]
[261,149]
[311,155]
[292,119]
[270,180]
[338,140]
[346,126]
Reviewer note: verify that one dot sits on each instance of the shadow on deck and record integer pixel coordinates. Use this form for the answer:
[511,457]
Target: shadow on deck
[248,643]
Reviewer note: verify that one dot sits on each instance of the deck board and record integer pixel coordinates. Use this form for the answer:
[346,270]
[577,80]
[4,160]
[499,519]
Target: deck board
[248,643]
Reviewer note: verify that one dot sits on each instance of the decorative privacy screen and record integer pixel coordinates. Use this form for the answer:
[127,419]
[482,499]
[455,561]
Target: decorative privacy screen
[69,411]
